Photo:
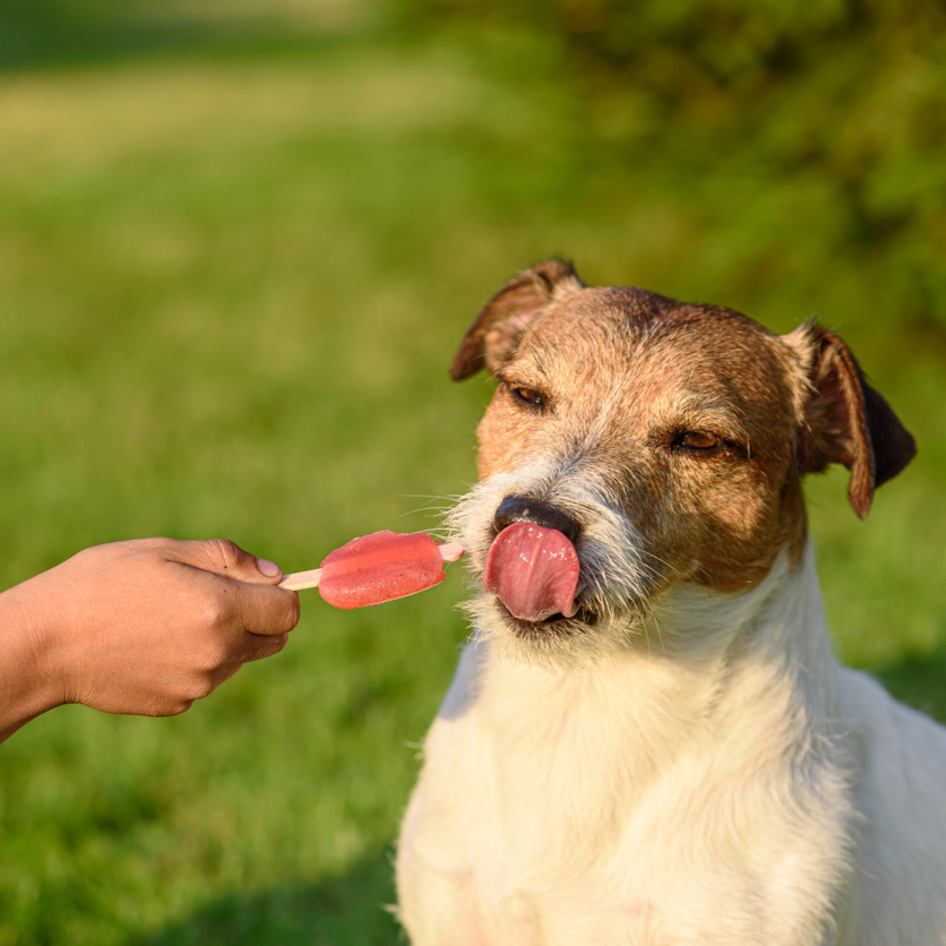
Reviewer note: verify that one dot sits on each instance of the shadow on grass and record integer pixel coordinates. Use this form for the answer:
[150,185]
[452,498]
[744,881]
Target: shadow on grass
[42,33]
[37,34]
[343,911]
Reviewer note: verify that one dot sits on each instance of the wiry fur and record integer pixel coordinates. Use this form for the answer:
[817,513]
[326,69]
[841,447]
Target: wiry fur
[613,572]
[683,761]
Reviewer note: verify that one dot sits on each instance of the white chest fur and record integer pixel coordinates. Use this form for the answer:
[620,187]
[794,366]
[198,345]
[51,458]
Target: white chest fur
[668,794]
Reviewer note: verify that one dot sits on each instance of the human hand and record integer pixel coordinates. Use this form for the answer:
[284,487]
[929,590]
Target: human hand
[144,626]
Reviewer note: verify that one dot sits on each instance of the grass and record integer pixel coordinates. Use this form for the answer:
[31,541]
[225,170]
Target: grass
[232,279]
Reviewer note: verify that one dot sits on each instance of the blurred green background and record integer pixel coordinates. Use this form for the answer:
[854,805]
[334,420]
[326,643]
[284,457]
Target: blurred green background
[239,243]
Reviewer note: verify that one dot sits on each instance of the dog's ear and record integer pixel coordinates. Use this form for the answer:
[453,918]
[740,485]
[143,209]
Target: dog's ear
[494,337]
[846,420]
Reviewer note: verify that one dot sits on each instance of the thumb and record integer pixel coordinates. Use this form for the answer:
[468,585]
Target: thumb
[225,558]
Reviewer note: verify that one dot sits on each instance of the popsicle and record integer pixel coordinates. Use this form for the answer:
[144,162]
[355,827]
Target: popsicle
[376,568]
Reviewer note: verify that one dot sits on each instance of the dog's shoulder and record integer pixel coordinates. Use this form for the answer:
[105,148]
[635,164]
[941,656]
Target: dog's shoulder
[901,794]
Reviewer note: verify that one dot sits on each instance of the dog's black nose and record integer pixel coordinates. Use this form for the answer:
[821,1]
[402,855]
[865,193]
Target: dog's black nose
[522,509]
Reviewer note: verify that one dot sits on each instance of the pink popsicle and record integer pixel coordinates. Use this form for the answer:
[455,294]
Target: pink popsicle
[376,568]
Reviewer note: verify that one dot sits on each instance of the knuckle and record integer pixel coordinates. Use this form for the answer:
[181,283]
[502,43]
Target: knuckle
[180,706]
[278,643]
[213,615]
[217,654]
[295,612]
[199,688]
[169,706]
[290,614]
[227,554]
[217,610]
[264,645]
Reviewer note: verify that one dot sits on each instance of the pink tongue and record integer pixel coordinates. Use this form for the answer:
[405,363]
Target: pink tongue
[534,571]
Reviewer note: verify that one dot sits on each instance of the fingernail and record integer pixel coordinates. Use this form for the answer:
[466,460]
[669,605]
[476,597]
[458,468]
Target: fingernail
[268,568]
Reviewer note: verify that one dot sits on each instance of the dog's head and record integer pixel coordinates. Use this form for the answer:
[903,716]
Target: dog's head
[635,442]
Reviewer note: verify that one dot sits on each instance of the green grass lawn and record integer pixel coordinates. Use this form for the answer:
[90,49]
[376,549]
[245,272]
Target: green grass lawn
[232,276]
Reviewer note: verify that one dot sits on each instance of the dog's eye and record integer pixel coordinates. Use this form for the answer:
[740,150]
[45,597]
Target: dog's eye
[528,397]
[698,441]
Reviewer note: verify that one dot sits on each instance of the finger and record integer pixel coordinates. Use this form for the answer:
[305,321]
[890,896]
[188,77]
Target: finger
[225,558]
[265,645]
[255,647]
[267,610]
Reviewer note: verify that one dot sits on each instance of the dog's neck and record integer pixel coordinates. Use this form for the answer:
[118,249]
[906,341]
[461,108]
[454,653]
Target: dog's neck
[696,633]
[778,624]
[718,682]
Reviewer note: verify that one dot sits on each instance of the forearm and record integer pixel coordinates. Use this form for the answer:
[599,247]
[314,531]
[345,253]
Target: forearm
[145,627]
[27,687]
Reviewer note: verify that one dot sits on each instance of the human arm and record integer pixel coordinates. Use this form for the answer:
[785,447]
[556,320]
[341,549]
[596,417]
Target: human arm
[143,627]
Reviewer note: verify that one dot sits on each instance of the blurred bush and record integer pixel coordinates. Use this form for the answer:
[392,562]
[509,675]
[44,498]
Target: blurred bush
[831,113]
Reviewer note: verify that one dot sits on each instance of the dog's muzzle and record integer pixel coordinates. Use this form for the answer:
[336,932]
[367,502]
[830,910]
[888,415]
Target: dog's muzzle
[523,509]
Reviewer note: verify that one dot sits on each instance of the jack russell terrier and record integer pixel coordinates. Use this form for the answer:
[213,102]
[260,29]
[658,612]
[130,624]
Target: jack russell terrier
[648,739]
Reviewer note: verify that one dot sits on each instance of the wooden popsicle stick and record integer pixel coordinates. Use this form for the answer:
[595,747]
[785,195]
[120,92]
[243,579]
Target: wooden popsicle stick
[451,551]
[299,581]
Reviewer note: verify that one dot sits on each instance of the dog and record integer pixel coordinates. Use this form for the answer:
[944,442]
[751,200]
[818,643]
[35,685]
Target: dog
[664,749]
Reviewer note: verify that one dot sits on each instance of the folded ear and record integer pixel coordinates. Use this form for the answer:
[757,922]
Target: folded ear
[846,420]
[494,337]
